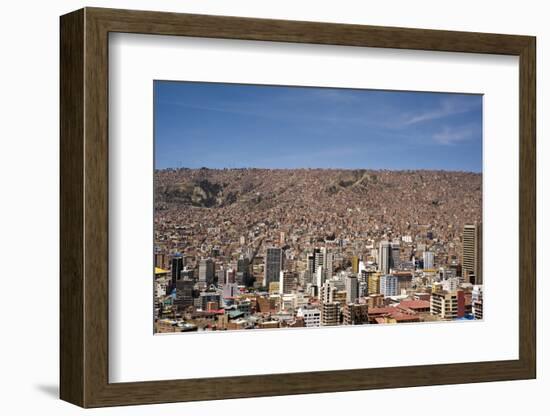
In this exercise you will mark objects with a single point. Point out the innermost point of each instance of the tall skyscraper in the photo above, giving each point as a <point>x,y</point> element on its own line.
<point>319,258</point>
<point>352,288</point>
<point>355,264</point>
<point>328,259</point>
<point>374,283</point>
<point>220,277</point>
<point>327,292</point>
<point>428,258</point>
<point>395,259</point>
<point>230,276</point>
<point>206,271</point>
<point>472,270</point>
<point>311,263</point>
<point>389,285</point>
<point>384,257</point>
<point>273,265</point>
<point>243,271</point>
<point>320,276</point>
<point>184,293</point>
<point>177,267</point>
<point>362,267</point>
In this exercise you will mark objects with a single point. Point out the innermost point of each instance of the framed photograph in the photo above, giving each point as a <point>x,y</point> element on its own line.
<point>254,207</point>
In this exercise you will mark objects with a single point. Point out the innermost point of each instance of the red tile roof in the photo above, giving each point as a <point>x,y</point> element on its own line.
<point>414,304</point>
<point>381,311</point>
<point>400,317</point>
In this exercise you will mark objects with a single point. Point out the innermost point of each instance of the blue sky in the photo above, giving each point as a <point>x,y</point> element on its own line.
<point>218,125</point>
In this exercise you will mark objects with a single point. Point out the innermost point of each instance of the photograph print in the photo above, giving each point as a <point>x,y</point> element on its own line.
<point>311,207</point>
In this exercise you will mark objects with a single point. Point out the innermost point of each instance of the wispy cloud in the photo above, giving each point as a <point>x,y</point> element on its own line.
<point>448,107</point>
<point>451,136</point>
<point>333,95</point>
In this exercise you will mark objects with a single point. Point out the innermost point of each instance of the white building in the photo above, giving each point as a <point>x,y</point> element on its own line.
<point>362,266</point>
<point>312,317</point>
<point>451,284</point>
<point>320,276</point>
<point>477,302</point>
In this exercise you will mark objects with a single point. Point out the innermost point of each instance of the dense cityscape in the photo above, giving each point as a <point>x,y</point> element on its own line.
<point>240,249</point>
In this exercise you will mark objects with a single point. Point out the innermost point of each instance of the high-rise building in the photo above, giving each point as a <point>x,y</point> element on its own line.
<point>184,293</point>
<point>328,259</point>
<point>395,259</point>
<point>327,292</point>
<point>447,305</point>
<point>287,282</point>
<point>320,276</point>
<point>472,267</point>
<point>428,258</point>
<point>311,263</point>
<point>477,302</point>
<point>362,267</point>
<point>356,314</point>
<point>273,265</point>
<point>243,271</point>
<point>177,267</point>
<point>355,264</point>
<point>243,264</point>
<point>206,271</point>
<point>384,257</point>
<point>389,285</point>
<point>374,283</point>
<point>352,289</point>
<point>319,258</point>
<point>330,314</point>
<point>230,276</point>
<point>220,277</point>
<point>363,289</point>
<point>363,276</point>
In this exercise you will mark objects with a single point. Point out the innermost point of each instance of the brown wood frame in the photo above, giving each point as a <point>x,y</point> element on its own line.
<point>84,209</point>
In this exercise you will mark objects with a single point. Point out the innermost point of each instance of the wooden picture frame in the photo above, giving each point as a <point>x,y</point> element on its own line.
<point>84,207</point>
